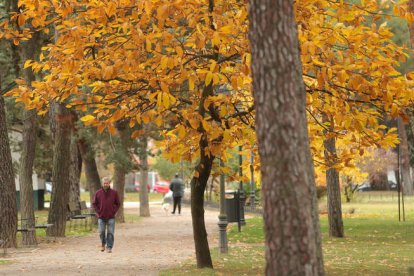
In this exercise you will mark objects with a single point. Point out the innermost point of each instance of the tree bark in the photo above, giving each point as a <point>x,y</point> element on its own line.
<point>144,210</point>
<point>75,170</point>
<point>198,186</point>
<point>119,185</point>
<point>30,50</point>
<point>8,208</point>
<point>405,160</point>
<point>93,179</point>
<point>336,225</point>
<point>25,175</point>
<point>120,168</point>
<point>60,174</point>
<point>291,224</point>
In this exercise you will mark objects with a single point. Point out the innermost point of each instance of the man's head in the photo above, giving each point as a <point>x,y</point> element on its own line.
<point>106,182</point>
<point>176,175</point>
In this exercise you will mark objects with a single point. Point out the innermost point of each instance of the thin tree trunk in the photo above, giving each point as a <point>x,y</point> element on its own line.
<point>405,159</point>
<point>75,170</point>
<point>60,174</point>
<point>119,183</point>
<point>120,168</point>
<point>8,208</point>
<point>336,226</point>
<point>144,210</point>
<point>93,179</point>
<point>25,175</point>
<point>291,224</point>
<point>198,186</point>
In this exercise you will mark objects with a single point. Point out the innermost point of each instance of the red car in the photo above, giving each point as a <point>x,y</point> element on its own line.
<point>137,187</point>
<point>161,187</point>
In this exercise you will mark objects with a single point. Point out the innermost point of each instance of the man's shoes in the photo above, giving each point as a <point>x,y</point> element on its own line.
<point>173,213</point>
<point>103,248</point>
<point>109,250</point>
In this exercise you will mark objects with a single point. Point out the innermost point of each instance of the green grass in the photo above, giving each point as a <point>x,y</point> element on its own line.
<point>376,243</point>
<point>3,262</point>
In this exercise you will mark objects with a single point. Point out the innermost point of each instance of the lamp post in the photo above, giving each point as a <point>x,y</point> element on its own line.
<point>223,244</point>
<point>253,190</point>
<point>241,194</point>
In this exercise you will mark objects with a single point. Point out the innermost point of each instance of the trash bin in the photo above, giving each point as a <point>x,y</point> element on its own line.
<point>234,207</point>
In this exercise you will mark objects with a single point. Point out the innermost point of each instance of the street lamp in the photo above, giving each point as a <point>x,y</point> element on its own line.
<point>252,192</point>
<point>223,244</point>
<point>241,194</point>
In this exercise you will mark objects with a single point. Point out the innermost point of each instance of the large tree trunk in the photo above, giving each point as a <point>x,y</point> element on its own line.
<point>8,208</point>
<point>25,175</point>
<point>336,226</point>
<point>405,159</point>
<point>291,226</point>
<point>60,174</point>
<point>144,210</point>
<point>91,170</point>
<point>75,170</point>
<point>30,50</point>
<point>198,186</point>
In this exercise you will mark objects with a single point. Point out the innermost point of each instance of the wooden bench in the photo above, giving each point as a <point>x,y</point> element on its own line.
<point>75,213</point>
<point>89,212</point>
<point>25,225</point>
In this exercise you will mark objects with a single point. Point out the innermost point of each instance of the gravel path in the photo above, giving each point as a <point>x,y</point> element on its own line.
<point>141,248</point>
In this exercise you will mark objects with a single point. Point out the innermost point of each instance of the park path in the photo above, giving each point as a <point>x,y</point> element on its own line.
<point>141,248</point>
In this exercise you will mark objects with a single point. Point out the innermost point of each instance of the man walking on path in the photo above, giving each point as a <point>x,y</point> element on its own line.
<point>106,204</point>
<point>177,187</point>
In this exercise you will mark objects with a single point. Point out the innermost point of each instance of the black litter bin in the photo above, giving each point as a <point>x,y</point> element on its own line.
<point>234,207</point>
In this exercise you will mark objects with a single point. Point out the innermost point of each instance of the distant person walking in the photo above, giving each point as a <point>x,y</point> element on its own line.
<point>177,187</point>
<point>106,204</point>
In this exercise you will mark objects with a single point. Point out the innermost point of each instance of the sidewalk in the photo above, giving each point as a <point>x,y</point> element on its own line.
<point>141,248</point>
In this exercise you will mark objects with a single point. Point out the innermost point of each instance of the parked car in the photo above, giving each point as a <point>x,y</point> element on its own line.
<point>392,185</point>
<point>135,188</point>
<point>364,187</point>
<point>161,187</point>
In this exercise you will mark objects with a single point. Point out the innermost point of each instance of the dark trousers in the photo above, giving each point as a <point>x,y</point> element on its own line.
<point>177,202</point>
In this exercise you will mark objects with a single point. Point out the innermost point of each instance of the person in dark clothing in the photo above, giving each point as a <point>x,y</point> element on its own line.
<point>106,204</point>
<point>177,187</point>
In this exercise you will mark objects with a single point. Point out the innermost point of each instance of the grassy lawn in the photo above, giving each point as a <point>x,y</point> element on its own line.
<point>376,243</point>
<point>153,197</point>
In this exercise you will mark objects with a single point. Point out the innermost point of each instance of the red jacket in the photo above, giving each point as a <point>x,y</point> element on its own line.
<point>106,203</point>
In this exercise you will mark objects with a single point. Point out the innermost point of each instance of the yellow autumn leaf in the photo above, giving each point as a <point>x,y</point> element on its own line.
<point>208,79</point>
<point>87,118</point>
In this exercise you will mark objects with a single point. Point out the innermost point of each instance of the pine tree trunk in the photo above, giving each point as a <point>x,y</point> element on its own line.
<point>144,210</point>
<point>75,170</point>
<point>336,226</point>
<point>60,174</point>
<point>198,187</point>
<point>8,208</point>
<point>291,223</point>
<point>405,160</point>
<point>25,175</point>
